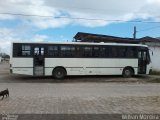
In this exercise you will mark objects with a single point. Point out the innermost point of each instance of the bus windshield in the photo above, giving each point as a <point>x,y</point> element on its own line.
<point>148,57</point>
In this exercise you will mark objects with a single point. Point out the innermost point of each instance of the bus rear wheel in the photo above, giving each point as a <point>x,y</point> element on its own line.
<point>127,72</point>
<point>59,73</point>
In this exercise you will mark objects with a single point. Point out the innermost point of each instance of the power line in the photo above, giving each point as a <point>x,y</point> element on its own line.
<point>82,8</point>
<point>19,14</point>
<point>80,18</point>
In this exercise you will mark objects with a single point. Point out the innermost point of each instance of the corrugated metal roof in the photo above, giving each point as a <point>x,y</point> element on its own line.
<point>90,37</point>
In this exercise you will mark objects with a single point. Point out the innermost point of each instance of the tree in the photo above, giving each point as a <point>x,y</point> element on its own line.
<point>4,55</point>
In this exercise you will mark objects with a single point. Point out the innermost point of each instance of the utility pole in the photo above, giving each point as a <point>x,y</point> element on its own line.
<point>134,34</point>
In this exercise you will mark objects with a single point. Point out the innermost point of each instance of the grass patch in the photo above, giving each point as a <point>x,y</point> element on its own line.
<point>154,72</point>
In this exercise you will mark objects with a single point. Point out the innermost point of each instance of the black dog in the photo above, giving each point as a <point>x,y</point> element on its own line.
<point>4,93</point>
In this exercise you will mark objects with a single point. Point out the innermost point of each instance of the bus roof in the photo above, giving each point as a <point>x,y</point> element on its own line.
<point>84,43</point>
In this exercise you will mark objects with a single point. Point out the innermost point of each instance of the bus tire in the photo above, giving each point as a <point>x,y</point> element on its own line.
<point>59,73</point>
<point>128,72</point>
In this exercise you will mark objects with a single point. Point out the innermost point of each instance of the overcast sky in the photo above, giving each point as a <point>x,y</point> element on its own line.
<point>99,16</point>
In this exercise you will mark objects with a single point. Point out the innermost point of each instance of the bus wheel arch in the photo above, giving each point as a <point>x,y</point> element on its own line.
<point>128,72</point>
<point>59,72</point>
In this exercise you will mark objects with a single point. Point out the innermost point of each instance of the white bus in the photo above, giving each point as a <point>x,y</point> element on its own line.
<point>77,58</point>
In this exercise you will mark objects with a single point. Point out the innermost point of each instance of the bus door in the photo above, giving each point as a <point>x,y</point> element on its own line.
<point>142,61</point>
<point>38,61</point>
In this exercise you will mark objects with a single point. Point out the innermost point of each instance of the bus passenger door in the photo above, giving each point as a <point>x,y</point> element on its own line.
<point>142,62</point>
<point>38,61</point>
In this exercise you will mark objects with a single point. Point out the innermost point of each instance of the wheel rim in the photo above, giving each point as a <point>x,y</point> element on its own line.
<point>59,74</point>
<point>127,72</point>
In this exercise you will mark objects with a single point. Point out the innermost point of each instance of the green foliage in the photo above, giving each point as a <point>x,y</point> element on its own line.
<point>154,72</point>
<point>4,55</point>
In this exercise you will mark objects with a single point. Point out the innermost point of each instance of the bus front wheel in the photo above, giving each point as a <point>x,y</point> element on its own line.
<point>127,72</point>
<point>59,73</point>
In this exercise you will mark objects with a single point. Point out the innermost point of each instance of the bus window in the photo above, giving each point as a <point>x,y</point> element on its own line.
<point>36,51</point>
<point>96,52</point>
<point>87,51</point>
<point>148,57</point>
<point>122,52</point>
<point>78,51</point>
<point>113,52</point>
<point>67,51</point>
<point>53,51</point>
<point>26,50</point>
<point>131,52</point>
<point>144,57</point>
<point>104,52</point>
<point>42,51</point>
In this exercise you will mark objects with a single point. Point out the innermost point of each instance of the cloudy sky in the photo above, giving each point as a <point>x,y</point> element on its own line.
<point>60,20</point>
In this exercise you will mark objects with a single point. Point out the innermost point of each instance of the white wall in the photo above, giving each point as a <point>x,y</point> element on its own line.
<point>155,58</point>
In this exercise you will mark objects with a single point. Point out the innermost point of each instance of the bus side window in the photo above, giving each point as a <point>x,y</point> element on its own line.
<point>131,52</point>
<point>122,52</point>
<point>67,51</point>
<point>36,51</point>
<point>104,53</point>
<point>96,52</point>
<point>53,51</point>
<point>17,50</point>
<point>113,52</point>
<point>135,51</point>
<point>71,51</point>
<point>26,50</point>
<point>62,51</point>
<point>144,56</point>
<point>87,51</point>
<point>78,51</point>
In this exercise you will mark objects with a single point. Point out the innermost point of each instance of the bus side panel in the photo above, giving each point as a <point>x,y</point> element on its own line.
<point>130,62</point>
<point>90,66</point>
<point>48,71</point>
<point>22,66</point>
